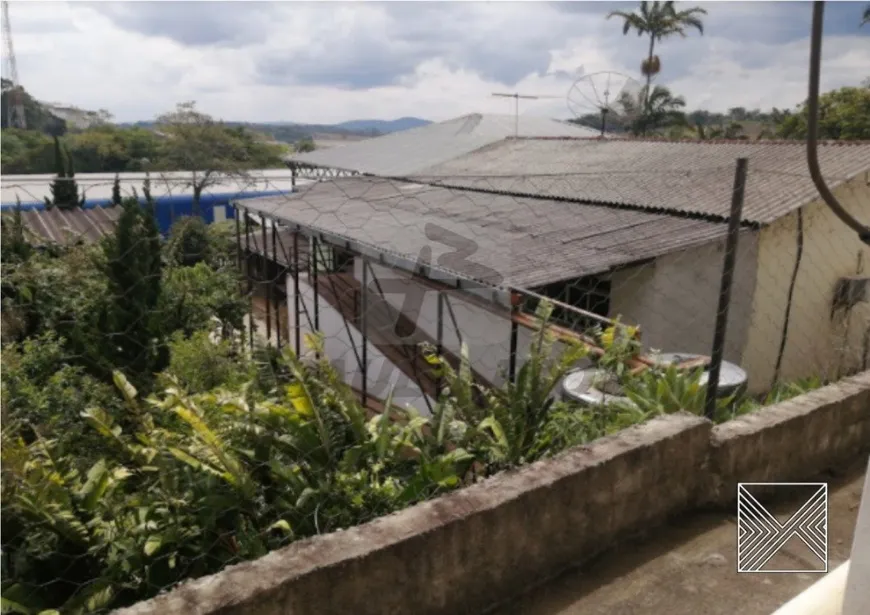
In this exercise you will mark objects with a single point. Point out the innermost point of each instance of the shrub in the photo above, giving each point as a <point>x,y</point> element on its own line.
<point>192,297</point>
<point>45,394</point>
<point>200,363</point>
<point>200,481</point>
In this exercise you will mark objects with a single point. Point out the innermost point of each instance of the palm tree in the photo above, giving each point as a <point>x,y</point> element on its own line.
<point>653,110</point>
<point>659,20</point>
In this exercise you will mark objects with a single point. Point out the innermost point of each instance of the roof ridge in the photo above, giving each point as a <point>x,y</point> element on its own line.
<point>828,142</point>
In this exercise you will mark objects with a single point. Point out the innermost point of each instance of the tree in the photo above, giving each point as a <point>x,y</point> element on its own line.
<point>657,110</point>
<point>305,145</point>
<point>658,20</point>
<point>64,190</point>
<point>843,114</point>
<point>116,192</point>
<point>866,18</point>
<point>133,268</point>
<point>195,142</point>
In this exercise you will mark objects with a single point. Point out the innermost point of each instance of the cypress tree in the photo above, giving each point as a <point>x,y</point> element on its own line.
<point>134,269</point>
<point>64,191</point>
<point>116,192</point>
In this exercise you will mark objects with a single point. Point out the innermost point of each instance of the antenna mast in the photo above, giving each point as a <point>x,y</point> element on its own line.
<point>516,96</point>
<point>15,104</point>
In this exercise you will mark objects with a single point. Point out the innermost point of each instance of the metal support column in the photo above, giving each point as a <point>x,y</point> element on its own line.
<point>312,260</point>
<point>515,329</point>
<point>725,287</point>
<point>264,269</point>
<point>283,279</point>
<point>439,340</point>
<point>297,326</point>
<point>250,282</point>
<point>238,238</point>
<point>364,302</point>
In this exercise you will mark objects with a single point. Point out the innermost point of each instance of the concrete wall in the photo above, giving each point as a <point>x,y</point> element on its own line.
<point>486,334</point>
<point>473,548</point>
<point>382,373</point>
<point>817,344</point>
<point>792,440</point>
<point>675,298</point>
<point>484,544</point>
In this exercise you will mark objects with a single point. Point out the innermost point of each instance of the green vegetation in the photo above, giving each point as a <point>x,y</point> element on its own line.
<point>658,20</point>
<point>184,139</point>
<point>655,111</point>
<point>144,445</point>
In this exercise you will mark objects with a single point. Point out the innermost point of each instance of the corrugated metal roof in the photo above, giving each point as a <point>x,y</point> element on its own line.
<point>68,227</point>
<point>692,177</point>
<point>34,188</point>
<point>512,241</point>
<point>411,151</point>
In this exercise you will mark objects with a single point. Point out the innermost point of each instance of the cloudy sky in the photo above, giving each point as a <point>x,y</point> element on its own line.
<point>333,61</point>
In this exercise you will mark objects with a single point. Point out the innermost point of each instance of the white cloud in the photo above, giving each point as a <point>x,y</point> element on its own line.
<point>311,62</point>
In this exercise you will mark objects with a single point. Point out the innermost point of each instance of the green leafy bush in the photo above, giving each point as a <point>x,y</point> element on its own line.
<point>201,363</point>
<point>201,481</point>
<point>45,394</point>
<point>199,297</point>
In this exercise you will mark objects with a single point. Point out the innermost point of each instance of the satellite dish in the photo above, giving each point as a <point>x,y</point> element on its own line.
<point>599,98</point>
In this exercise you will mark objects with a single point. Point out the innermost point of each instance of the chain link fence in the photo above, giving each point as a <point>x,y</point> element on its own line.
<point>175,402</point>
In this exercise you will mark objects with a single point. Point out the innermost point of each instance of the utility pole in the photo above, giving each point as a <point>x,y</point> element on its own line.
<point>15,102</point>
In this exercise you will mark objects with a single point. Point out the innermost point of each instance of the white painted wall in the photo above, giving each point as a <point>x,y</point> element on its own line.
<point>817,344</point>
<point>382,374</point>
<point>487,335</point>
<point>675,298</point>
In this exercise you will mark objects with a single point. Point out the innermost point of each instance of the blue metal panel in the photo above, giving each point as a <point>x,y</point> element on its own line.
<point>170,208</point>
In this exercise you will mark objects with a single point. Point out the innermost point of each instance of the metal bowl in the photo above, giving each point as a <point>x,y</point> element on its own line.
<point>732,378</point>
<point>591,386</point>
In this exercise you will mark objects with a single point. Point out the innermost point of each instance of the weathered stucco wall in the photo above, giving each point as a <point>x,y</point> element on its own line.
<point>793,439</point>
<point>482,545</point>
<point>817,343</point>
<point>676,297</point>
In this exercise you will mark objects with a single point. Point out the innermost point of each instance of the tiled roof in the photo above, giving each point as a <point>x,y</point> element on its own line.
<point>411,151</point>
<point>67,227</point>
<point>510,241</point>
<point>677,176</point>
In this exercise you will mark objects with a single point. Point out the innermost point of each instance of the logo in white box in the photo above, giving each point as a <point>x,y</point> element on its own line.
<point>761,536</point>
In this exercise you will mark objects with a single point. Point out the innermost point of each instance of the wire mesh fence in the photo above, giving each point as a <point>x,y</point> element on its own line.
<point>175,402</point>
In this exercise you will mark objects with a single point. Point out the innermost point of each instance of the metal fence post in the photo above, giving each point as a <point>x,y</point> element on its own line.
<point>725,287</point>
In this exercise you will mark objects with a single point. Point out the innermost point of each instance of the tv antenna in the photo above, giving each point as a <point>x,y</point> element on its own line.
<point>517,96</point>
<point>598,97</point>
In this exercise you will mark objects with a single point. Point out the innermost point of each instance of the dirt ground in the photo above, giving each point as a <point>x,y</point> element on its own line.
<point>689,568</point>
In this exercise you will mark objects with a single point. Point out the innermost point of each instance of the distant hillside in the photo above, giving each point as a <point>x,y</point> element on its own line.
<point>289,132</point>
<point>383,126</point>
<point>36,114</point>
